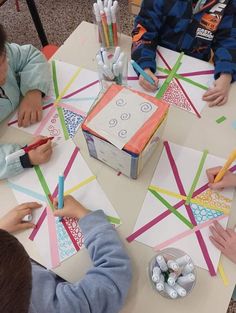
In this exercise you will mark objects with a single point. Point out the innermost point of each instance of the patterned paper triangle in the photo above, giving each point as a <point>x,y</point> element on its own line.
<point>175,96</point>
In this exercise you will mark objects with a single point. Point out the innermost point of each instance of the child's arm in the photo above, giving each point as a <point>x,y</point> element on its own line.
<point>104,287</point>
<point>14,167</point>
<point>145,37</point>
<point>32,70</point>
<point>224,48</point>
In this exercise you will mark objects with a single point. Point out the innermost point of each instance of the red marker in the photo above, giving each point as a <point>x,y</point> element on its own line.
<point>26,149</point>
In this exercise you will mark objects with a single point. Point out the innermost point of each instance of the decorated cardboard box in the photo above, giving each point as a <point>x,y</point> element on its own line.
<point>124,128</point>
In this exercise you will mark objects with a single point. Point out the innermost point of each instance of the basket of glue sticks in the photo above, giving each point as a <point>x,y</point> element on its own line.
<point>172,273</point>
<point>112,67</point>
<point>106,15</point>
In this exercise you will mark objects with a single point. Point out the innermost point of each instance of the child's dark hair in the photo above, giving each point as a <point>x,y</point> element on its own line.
<point>3,39</point>
<point>15,275</point>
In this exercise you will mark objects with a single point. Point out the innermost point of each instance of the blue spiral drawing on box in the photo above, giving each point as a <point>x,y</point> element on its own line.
<point>202,214</point>
<point>65,245</point>
<point>72,121</point>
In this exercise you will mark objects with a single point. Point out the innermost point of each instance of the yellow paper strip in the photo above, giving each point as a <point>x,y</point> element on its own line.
<point>85,182</point>
<point>222,274</point>
<point>192,200</point>
<point>58,99</point>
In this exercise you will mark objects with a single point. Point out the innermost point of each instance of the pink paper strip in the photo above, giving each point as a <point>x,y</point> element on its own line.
<point>81,89</point>
<point>189,211</point>
<point>38,225</point>
<point>186,233</point>
<point>69,107</point>
<point>44,121</point>
<point>55,260</point>
<point>179,84</point>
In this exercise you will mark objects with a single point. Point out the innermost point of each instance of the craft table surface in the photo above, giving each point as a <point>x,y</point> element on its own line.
<point>126,195</point>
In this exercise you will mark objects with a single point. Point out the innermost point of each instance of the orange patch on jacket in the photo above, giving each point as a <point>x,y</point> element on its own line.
<point>138,33</point>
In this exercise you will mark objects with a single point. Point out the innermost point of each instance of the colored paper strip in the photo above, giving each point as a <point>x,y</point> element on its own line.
<point>63,124</point>
<point>77,248</point>
<point>55,260</point>
<point>54,78</point>
<point>171,208</point>
<point>67,86</point>
<point>81,89</point>
<point>44,121</point>
<point>179,76</point>
<point>222,274</point>
<point>192,200</point>
<point>171,75</point>
<point>185,234</point>
<point>197,176</point>
<point>44,185</point>
<point>27,191</point>
<point>38,225</point>
<point>83,183</point>
<point>221,119</point>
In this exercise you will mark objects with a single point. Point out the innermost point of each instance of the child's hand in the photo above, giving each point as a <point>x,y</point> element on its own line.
<point>224,240</point>
<point>30,110</point>
<point>145,84</point>
<point>228,180</point>
<point>72,208</point>
<point>218,95</point>
<point>12,221</point>
<point>42,154</point>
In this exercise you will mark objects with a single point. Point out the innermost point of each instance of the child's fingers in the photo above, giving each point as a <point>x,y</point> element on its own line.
<point>221,231</point>
<point>216,101</point>
<point>39,115</point>
<point>224,100</point>
<point>217,237</point>
<point>217,186</point>
<point>20,118</point>
<point>26,119</point>
<point>216,244</point>
<point>29,205</point>
<point>25,225</point>
<point>212,172</point>
<point>60,213</point>
<point>146,85</point>
<point>47,146</point>
<point>33,117</point>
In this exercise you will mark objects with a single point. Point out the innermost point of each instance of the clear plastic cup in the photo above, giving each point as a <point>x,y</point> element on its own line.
<point>111,72</point>
<point>172,254</point>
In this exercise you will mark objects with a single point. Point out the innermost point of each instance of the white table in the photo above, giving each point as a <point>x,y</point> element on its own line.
<point>126,195</point>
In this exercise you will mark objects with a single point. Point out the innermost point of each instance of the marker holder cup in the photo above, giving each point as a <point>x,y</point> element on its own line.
<point>171,254</point>
<point>114,75</point>
<point>106,16</point>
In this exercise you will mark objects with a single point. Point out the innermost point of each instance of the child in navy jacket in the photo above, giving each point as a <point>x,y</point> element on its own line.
<point>195,27</point>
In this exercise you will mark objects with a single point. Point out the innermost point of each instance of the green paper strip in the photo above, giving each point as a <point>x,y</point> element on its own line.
<point>188,80</point>
<point>171,75</point>
<point>172,209</point>
<point>63,124</point>
<point>54,77</point>
<point>113,220</point>
<point>43,184</point>
<point>221,119</point>
<point>59,109</point>
<point>197,176</point>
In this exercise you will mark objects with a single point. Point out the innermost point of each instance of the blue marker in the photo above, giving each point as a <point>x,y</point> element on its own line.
<point>141,72</point>
<point>60,193</point>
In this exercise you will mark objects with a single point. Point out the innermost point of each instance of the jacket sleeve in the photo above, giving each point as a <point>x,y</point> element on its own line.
<point>104,287</point>
<point>12,168</point>
<point>145,33</point>
<point>224,45</point>
<point>30,66</point>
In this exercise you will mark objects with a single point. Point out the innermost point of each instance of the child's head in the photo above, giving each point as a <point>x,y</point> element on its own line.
<point>3,57</point>
<point>15,275</point>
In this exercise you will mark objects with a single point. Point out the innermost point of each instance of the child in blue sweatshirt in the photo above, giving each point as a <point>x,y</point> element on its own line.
<point>195,27</point>
<point>24,79</point>
<point>29,288</point>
